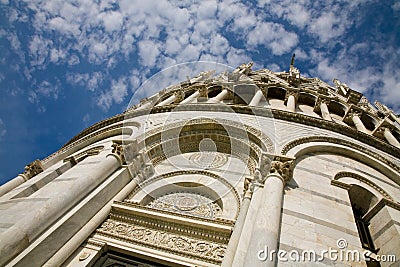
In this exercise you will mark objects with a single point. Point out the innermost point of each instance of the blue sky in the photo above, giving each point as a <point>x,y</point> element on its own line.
<point>66,64</point>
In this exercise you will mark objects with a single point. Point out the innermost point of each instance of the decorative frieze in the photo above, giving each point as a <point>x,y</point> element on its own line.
<point>169,242</point>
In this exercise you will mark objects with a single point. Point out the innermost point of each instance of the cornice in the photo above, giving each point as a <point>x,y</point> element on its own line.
<point>241,109</point>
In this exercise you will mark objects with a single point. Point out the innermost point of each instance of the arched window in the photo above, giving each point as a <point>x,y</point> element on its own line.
<point>362,201</point>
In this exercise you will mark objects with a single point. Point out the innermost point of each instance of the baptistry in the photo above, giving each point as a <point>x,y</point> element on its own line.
<point>236,168</point>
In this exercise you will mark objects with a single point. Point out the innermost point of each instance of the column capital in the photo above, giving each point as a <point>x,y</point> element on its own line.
<point>32,169</point>
<point>274,165</point>
<point>124,151</point>
<point>321,99</point>
<point>179,95</point>
<point>203,90</point>
<point>248,187</point>
<point>291,91</point>
<point>283,166</point>
<point>352,111</point>
<point>380,129</point>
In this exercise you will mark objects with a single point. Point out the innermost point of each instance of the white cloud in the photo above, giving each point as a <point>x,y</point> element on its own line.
<point>148,52</point>
<point>112,21</point>
<point>95,80</point>
<point>57,55</point>
<point>48,89</point>
<point>73,60</point>
<point>77,78</point>
<point>273,36</point>
<point>86,120</point>
<point>117,93</point>
<point>89,81</point>
<point>3,129</point>
<point>62,26</point>
<point>39,50</point>
<point>396,6</point>
<point>158,34</point>
<point>328,26</point>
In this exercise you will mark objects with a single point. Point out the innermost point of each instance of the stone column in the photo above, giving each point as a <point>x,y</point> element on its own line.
<point>191,98</point>
<point>64,252</point>
<point>144,106</point>
<point>256,98</point>
<point>19,236</point>
<point>31,170</point>
<point>167,101</point>
<point>390,138</point>
<point>290,99</point>
<point>291,103</point>
<point>358,123</point>
<point>240,221</point>
<point>325,111</point>
<point>218,98</point>
<point>394,117</point>
<point>265,233</point>
<point>353,116</point>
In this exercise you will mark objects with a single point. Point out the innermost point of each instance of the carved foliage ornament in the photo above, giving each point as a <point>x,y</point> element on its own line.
<point>273,164</point>
<point>126,152</point>
<point>188,203</point>
<point>33,169</point>
<point>283,167</point>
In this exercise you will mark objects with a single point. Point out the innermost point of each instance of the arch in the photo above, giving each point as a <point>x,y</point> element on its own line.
<point>276,92</point>
<point>214,90</point>
<point>211,185</point>
<point>343,147</point>
<point>84,154</point>
<point>186,135</point>
<point>97,136</point>
<point>369,122</point>
<point>306,98</point>
<point>356,179</point>
<point>337,108</point>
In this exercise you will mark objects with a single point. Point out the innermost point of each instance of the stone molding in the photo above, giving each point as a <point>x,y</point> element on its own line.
<point>256,135</point>
<point>292,117</point>
<point>378,206</point>
<point>363,180</point>
<point>220,221</point>
<point>277,114</point>
<point>353,110</point>
<point>172,243</point>
<point>157,145</point>
<point>321,99</point>
<point>291,91</point>
<point>188,236</point>
<point>69,146</point>
<point>334,140</point>
<point>82,155</point>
